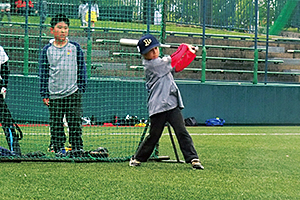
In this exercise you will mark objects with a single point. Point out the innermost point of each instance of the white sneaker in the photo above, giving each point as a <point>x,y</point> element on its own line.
<point>196,164</point>
<point>134,162</point>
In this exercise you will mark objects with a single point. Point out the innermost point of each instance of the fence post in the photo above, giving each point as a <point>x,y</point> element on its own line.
<point>26,42</point>
<point>267,42</point>
<point>163,26</point>
<point>89,45</point>
<point>255,46</point>
<point>203,64</point>
<point>203,45</point>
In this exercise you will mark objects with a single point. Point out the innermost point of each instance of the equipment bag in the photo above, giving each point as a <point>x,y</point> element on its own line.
<point>190,121</point>
<point>5,152</point>
<point>215,122</point>
<point>12,131</point>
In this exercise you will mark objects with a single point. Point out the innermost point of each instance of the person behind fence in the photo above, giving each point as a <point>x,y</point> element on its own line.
<point>63,79</point>
<point>81,12</point>
<point>94,13</point>
<point>5,116</point>
<point>20,7</point>
<point>31,10</point>
<point>43,11</point>
<point>164,99</point>
<point>5,9</point>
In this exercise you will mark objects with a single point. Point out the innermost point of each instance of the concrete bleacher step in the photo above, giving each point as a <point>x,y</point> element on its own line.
<point>293,61</point>
<point>109,66</point>
<point>272,49</point>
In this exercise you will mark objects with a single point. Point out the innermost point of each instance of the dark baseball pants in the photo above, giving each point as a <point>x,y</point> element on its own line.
<point>71,106</point>
<point>157,125</point>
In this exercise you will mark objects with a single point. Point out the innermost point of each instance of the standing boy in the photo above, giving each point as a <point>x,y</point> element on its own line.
<point>164,100</point>
<point>63,81</point>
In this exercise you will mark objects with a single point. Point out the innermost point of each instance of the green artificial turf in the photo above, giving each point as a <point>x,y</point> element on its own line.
<point>240,163</point>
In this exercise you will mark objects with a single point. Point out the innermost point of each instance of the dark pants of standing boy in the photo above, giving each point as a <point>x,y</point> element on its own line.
<point>7,126</point>
<point>71,106</point>
<point>157,125</point>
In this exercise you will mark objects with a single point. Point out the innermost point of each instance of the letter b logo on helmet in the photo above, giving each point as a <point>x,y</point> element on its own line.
<point>147,42</point>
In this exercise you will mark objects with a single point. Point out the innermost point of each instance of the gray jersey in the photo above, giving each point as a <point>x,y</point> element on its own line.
<point>163,92</point>
<point>63,70</point>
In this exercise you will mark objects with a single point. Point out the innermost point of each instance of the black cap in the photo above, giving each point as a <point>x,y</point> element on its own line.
<point>146,43</point>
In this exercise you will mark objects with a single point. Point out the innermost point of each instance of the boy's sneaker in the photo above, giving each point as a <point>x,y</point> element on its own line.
<point>196,164</point>
<point>77,153</point>
<point>100,152</point>
<point>134,162</point>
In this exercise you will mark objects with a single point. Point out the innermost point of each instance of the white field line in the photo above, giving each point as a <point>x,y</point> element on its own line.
<point>245,134</point>
<point>83,134</point>
<point>233,134</point>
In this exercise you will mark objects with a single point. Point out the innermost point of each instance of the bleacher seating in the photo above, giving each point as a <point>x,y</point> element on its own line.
<point>232,54</point>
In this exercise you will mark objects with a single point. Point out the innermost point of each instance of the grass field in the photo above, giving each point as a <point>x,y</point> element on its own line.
<point>252,162</point>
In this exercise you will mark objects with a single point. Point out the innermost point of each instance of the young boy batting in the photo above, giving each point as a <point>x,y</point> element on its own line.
<point>62,82</point>
<point>164,100</point>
